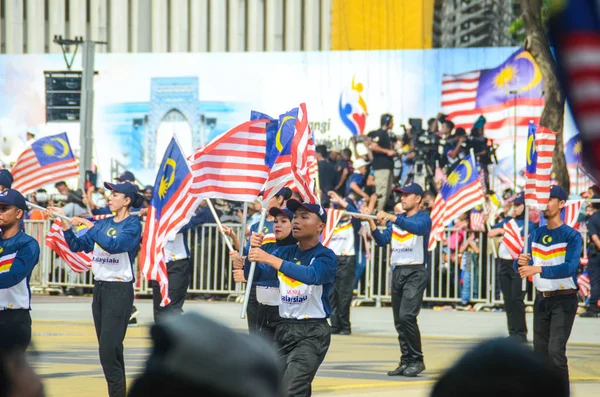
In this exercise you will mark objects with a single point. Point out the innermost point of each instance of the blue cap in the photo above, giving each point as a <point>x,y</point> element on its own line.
<point>126,176</point>
<point>520,199</point>
<point>558,193</point>
<point>127,188</point>
<point>411,188</point>
<point>281,211</point>
<point>294,204</point>
<point>13,197</point>
<point>6,178</point>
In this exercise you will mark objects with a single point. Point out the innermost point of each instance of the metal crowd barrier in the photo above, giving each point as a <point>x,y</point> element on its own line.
<point>212,270</point>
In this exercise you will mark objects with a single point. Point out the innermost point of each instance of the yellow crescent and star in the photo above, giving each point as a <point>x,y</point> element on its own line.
<point>167,181</point>
<point>469,169</point>
<point>546,240</point>
<point>278,143</point>
<point>508,74</point>
<point>51,150</point>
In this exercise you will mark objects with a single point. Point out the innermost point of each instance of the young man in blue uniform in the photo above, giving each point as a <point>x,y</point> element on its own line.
<point>306,272</point>
<point>409,234</point>
<point>552,258</point>
<point>19,253</point>
<point>510,281</point>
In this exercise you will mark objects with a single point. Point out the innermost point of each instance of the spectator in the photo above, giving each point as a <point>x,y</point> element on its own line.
<point>147,195</point>
<point>328,178</point>
<point>40,197</point>
<point>195,356</point>
<point>427,203</point>
<point>383,160</point>
<point>454,149</point>
<point>469,250</point>
<point>407,145</point>
<point>75,205</point>
<point>593,267</point>
<point>99,197</point>
<point>343,167</point>
<point>500,368</point>
<point>6,180</point>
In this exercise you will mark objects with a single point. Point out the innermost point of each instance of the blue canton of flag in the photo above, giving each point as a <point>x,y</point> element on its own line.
<point>52,149</point>
<point>463,176</point>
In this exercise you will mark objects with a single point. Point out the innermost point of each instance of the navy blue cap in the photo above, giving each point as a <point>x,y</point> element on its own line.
<point>520,199</point>
<point>6,178</point>
<point>281,211</point>
<point>558,193</point>
<point>294,204</point>
<point>13,197</point>
<point>411,188</point>
<point>126,176</point>
<point>127,188</point>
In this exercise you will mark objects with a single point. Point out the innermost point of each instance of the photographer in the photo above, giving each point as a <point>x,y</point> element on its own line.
<point>382,153</point>
<point>455,147</point>
<point>407,154</point>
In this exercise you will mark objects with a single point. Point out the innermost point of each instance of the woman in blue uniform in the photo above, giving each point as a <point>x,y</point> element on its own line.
<point>113,242</point>
<point>305,272</point>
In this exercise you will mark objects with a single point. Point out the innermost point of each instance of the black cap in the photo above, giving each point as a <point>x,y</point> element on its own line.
<point>204,354</point>
<point>6,178</point>
<point>520,199</point>
<point>411,188</point>
<point>281,211</point>
<point>126,176</point>
<point>127,188</point>
<point>558,193</point>
<point>13,197</point>
<point>294,204</point>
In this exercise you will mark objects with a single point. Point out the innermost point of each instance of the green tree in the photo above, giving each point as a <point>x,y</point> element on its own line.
<point>530,28</point>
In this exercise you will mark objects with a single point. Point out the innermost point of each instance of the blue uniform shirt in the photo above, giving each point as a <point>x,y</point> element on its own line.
<point>409,236</point>
<point>18,256</point>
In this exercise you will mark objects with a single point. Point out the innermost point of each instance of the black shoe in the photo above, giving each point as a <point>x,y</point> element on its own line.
<point>399,370</point>
<point>345,332</point>
<point>590,314</point>
<point>133,317</point>
<point>335,331</point>
<point>414,369</point>
<point>132,322</point>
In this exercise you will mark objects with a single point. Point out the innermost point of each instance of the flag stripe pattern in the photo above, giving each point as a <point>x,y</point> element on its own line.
<point>232,166</point>
<point>572,209</point>
<point>437,222</point>
<point>512,238</point>
<point>79,262</point>
<point>30,173</point>
<point>333,217</point>
<point>302,150</point>
<point>477,222</point>
<point>545,140</point>
<point>584,283</point>
<point>176,210</point>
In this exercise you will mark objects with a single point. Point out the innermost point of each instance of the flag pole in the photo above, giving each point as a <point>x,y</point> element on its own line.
<point>488,226</point>
<point>55,214</point>
<point>218,222</point>
<point>525,238</point>
<point>261,224</point>
<point>243,238</point>
<point>359,215</point>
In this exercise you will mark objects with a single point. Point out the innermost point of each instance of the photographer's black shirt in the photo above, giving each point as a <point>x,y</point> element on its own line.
<point>381,161</point>
<point>593,225</point>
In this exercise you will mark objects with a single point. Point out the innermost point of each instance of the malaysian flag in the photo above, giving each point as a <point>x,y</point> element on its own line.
<point>333,218</point>
<point>540,145</point>
<point>171,207</point>
<point>303,157</point>
<point>79,262</point>
<point>232,166</point>
<point>575,31</point>
<point>584,283</point>
<point>461,192</point>
<point>47,160</point>
<point>513,87</point>
<point>513,241</point>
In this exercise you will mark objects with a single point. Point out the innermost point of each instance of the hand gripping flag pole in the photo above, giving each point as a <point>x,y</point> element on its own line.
<point>55,214</point>
<point>261,224</point>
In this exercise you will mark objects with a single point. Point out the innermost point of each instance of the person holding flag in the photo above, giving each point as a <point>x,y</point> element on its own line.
<point>409,234</point>
<point>114,243</point>
<point>19,253</point>
<point>552,258</point>
<point>510,281</point>
<point>306,272</point>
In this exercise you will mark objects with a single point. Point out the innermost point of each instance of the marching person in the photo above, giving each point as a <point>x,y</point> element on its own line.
<point>593,267</point>
<point>409,234</point>
<point>343,244</point>
<point>114,243</point>
<point>552,258</point>
<point>510,281</point>
<point>19,253</point>
<point>306,272</point>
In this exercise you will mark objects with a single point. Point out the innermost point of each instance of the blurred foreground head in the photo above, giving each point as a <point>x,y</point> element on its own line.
<point>195,356</point>
<point>17,377</point>
<point>501,368</point>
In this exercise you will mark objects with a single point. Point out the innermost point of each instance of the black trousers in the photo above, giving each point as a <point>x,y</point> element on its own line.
<point>593,269</point>
<point>111,307</point>
<point>341,298</point>
<point>179,274</point>
<point>268,319</point>
<point>302,344</point>
<point>511,286</point>
<point>408,285</point>
<point>16,323</point>
<point>552,323</point>
<point>252,312</point>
